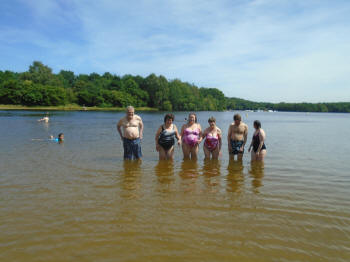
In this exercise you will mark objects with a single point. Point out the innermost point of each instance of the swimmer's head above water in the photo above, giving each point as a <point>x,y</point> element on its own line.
<point>60,137</point>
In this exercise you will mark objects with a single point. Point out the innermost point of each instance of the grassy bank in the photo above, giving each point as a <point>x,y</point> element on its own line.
<point>72,107</point>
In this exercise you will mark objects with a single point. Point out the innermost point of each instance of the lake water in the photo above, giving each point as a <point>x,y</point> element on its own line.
<point>79,201</point>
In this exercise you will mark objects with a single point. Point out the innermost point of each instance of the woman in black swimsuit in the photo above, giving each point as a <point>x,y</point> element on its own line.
<point>259,148</point>
<point>165,138</point>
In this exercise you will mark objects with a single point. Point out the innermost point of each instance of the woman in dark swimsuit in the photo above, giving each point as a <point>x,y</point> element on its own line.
<point>165,138</point>
<point>258,145</point>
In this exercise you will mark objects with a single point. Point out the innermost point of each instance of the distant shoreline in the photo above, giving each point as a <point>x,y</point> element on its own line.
<point>71,108</point>
<point>121,109</point>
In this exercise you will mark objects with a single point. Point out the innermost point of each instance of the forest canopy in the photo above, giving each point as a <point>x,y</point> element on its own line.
<point>39,86</point>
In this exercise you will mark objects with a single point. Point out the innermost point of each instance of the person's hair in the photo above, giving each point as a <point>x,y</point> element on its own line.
<point>237,117</point>
<point>211,119</point>
<point>130,107</point>
<point>60,135</point>
<point>257,124</point>
<point>169,116</point>
<point>195,116</point>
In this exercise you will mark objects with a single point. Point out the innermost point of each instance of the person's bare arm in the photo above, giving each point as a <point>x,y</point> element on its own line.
<point>157,137</point>
<point>204,133</point>
<point>200,134</point>
<point>119,128</point>
<point>219,137</point>
<point>262,139</point>
<point>250,146</point>
<point>178,136</point>
<point>229,138</point>
<point>141,128</point>
<point>245,137</point>
<point>182,130</point>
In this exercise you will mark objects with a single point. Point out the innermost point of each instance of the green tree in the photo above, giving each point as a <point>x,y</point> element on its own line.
<point>158,90</point>
<point>11,92</point>
<point>39,73</point>
<point>67,78</point>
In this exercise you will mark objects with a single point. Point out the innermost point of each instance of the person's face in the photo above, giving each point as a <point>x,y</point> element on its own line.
<point>61,137</point>
<point>237,122</point>
<point>130,113</point>
<point>168,121</point>
<point>191,119</point>
<point>212,124</point>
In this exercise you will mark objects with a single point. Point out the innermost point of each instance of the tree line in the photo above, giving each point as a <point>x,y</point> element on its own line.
<point>39,86</point>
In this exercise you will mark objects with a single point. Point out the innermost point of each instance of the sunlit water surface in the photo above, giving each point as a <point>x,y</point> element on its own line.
<point>79,201</point>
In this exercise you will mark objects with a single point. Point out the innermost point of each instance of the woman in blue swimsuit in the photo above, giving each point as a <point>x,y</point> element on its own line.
<point>165,138</point>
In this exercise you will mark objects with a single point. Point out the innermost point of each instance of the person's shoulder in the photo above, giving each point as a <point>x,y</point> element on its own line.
<point>218,130</point>
<point>121,120</point>
<point>230,127</point>
<point>137,117</point>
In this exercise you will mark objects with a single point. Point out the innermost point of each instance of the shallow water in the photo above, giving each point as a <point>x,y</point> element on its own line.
<point>79,201</point>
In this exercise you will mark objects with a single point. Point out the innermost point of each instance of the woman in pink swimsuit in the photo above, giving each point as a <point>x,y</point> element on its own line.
<point>212,142</point>
<point>191,134</point>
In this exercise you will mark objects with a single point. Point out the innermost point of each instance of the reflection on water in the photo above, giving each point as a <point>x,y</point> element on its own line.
<point>189,174</point>
<point>257,173</point>
<point>235,177</point>
<point>211,168</point>
<point>131,178</point>
<point>164,171</point>
<point>189,169</point>
<point>45,125</point>
<point>211,174</point>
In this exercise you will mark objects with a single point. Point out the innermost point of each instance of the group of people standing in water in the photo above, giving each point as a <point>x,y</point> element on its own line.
<point>130,129</point>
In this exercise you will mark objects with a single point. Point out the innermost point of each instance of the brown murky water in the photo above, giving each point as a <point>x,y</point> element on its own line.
<point>79,201</point>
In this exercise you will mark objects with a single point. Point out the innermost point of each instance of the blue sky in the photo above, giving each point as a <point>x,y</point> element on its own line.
<point>263,50</point>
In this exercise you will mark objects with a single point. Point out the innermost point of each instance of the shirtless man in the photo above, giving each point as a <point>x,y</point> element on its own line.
<point>237,137</point>
<point>132,127</point>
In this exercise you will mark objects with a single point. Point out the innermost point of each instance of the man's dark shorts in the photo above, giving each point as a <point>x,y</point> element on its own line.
<point>132,148</point>
<point>236,146</point>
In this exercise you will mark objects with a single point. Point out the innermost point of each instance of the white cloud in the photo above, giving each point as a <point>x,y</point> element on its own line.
<point>262,50</point>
